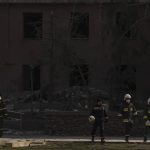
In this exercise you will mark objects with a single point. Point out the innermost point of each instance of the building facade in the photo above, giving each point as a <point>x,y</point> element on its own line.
<point>103,44</point>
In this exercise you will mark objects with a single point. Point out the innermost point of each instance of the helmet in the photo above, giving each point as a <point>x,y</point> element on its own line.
<point>127,96</point>
<point>91,119</point>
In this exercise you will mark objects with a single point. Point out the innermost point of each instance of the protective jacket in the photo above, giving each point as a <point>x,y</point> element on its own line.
<point>147,115</point>
<point>128,111</point>
<point>99,113</point>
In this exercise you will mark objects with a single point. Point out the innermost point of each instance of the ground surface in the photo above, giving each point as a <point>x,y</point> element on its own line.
<point>85,146</point>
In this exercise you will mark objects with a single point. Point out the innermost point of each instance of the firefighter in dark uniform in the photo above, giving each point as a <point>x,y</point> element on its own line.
<point>147,120</point>
<point>2,115</point>
<point>101,116</point>
<point>128,111</point>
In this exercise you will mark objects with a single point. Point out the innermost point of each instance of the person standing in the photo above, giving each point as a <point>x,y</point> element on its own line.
<point>147,120</point>
<point>101,117</point>
<point>128,111</point>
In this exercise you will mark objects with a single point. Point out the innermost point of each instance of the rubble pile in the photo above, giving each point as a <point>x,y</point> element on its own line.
<point>71,99</point>
<point>76,98</point>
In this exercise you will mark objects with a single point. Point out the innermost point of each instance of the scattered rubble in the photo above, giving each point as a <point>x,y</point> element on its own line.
<point>71,99</point>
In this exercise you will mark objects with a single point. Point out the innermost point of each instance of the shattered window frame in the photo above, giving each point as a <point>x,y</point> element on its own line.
<point>127,77</point>
<point>125,24</point>
<point>79,75</point>
<point>33,25</point>
<point>79,25</point>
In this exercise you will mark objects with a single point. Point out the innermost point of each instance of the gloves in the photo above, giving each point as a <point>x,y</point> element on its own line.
<point>131,121</point>
<point>147,123</point>
<point>145,117</point>
<point>106,119</point>
<point>135,114</point>
<point>119,115</point>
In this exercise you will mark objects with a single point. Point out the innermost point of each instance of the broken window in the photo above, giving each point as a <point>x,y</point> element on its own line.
<point>125,24</point>
<point>79,25</point>
<point>79,75</point>
<point>33,25</point>
<point>127,77</point>
<point>31,76</point>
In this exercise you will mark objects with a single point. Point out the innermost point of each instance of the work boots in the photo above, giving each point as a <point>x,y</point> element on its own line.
<point>92,139</point>
<point>102,140</point>
<point>145,139</point>
<point>127,138</point>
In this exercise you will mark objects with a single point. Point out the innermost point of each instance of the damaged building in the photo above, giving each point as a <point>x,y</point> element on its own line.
<point>60,44</point>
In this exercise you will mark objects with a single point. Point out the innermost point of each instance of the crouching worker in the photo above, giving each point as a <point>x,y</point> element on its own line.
<point>128,112</point>
<point>147,120</point>
<point>98,116</point>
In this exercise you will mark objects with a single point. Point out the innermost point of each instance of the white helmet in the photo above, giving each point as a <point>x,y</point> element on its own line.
<point>91,119</point>
<point>148,100</point>
<point>127,96</point>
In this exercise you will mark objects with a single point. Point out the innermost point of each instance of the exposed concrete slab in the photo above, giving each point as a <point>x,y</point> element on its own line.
<point>21,144</point>
<point>37,144</point>
<point>3,142</point>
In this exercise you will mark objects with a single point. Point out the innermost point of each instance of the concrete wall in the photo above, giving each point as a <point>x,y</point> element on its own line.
<point>103,50</point>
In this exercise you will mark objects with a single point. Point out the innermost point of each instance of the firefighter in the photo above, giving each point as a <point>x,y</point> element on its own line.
<point>2,115</point>
<point>147,119</point>
<point>128,111</point>
<point>101,116</point>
